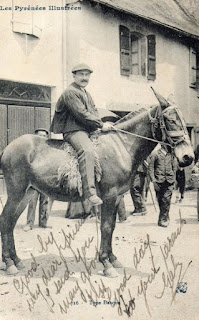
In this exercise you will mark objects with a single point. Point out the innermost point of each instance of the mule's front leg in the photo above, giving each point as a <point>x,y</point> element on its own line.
<point>112,258</point>
<point>108,218</point>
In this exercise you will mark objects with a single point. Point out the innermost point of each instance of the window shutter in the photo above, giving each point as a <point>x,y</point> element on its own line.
<point>27,21</point>
<point>151,57</point>
<point>125,66</point>
<point>143,56</point>
<point>135,56</point>
<point>192,71</point>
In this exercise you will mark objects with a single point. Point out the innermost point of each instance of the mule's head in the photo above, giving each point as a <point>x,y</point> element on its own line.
<point>177,135</point>
<point>174,131</point>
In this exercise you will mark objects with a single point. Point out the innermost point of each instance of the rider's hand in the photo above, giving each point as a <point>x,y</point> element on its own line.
<point>107,126</point>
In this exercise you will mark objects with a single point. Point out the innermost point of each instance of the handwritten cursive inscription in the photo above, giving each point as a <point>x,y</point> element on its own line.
<point>175,270</point>
<point>24,284</point>
<point>143,286</point>
<point>60,292</point>
<point>171,271</point>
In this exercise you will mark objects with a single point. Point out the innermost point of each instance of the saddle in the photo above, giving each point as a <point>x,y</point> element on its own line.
<point>69,177</point>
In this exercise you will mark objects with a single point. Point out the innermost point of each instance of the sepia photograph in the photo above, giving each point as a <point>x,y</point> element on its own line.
<point>99,159</point>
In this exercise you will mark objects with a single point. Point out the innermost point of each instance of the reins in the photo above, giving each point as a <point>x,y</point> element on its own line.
<point>139,136</point>
<point>165,133</point>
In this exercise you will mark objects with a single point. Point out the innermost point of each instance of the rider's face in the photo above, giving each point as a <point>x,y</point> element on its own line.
<point>81,78</point>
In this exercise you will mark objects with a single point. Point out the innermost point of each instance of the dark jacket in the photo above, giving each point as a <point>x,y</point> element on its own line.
<point>162,167</point>
<point>74,111</point>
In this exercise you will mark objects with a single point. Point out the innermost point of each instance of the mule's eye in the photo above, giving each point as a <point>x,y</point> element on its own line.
<point>172,121</point>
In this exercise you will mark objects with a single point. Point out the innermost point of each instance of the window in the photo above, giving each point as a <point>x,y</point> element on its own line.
<point>137,54</point>
<point>138,66</point>
<point>194,68</point>
<point>27,21</point>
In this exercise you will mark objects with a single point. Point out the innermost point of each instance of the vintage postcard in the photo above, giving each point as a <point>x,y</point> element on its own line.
<point>99,118</point>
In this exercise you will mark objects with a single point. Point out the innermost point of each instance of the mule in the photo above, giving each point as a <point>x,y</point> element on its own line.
<point>34,161</point>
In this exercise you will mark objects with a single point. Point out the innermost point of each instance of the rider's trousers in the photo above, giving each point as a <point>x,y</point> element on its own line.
<point>84,148</point>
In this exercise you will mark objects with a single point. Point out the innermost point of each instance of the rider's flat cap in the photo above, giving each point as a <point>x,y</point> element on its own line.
<point>80,67</point>
<point>42,129</point>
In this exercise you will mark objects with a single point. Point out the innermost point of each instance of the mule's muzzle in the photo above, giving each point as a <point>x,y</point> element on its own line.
<point>186,161</point>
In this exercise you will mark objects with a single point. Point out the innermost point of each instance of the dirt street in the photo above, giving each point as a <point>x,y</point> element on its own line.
<point>63,280</point>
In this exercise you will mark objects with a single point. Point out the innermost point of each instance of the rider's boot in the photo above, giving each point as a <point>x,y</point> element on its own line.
<point>95,200</point>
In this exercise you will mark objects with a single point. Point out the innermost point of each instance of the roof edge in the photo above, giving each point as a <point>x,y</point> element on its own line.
<point>193,36</point>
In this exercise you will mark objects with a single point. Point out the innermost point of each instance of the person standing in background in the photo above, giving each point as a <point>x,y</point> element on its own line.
<point>180,184</point>
<point>162,170</point>
<point>137,190</point>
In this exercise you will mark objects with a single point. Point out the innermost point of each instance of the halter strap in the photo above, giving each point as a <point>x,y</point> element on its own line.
<point>167,134</point>
<point>178,133</point>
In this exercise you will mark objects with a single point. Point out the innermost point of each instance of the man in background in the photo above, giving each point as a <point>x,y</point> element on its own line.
<point>180,184</point>
<point>137,190</point>
<point>162,171</point>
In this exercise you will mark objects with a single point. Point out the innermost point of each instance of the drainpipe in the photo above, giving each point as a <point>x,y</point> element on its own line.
<point>64,46</point>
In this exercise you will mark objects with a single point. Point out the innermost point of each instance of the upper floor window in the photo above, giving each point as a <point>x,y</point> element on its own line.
<point>197,71</point>
<point>137,54</point>
<point>27,21</point>
<point>194,69</point>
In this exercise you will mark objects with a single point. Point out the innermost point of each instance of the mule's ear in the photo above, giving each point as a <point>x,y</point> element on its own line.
<point>163,102</point>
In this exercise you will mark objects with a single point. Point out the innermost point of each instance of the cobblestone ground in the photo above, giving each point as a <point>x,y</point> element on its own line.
<point>62,279</point>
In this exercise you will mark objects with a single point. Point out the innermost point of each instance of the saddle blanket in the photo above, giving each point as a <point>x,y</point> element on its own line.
<point>69,176</point>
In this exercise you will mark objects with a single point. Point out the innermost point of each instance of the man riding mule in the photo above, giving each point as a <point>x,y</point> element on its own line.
<point>75,117</point>
<point>32,161</point>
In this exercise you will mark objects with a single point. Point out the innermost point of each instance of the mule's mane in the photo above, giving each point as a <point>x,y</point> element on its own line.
<point>130,115</point>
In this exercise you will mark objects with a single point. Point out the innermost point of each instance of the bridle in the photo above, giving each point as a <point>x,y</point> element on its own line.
<point>159,121</point>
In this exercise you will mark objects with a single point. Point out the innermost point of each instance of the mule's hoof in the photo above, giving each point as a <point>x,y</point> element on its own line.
<point>12,270</point>
<point>110,273</point>
<point>2,266</point>
<point>20,265</point>
<point>116,264</point>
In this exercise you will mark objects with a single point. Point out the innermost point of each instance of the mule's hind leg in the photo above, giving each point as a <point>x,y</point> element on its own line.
<point>21,207</point>
<point>11,212</point>
<point>6,228</point>
<point>9,257</point>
